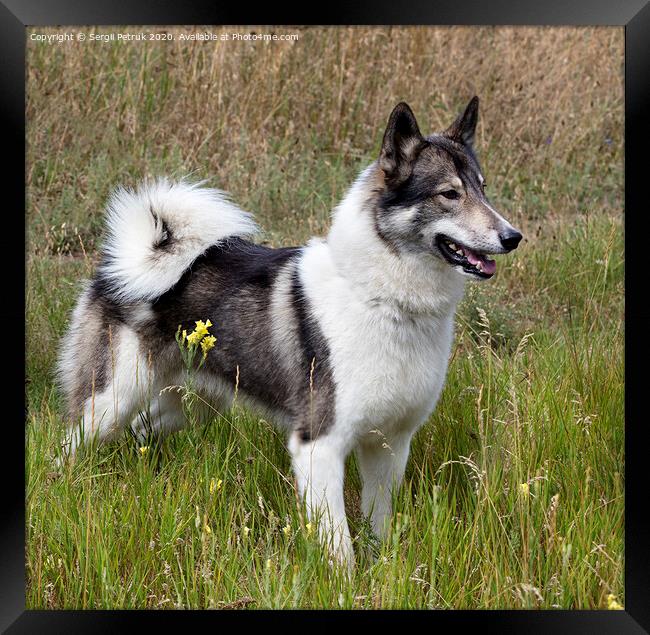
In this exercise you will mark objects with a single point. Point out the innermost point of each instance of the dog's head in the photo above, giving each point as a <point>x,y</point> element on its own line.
<point>433,195</point>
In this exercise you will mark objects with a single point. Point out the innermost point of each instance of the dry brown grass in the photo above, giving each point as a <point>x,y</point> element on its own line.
<point>285,125</point>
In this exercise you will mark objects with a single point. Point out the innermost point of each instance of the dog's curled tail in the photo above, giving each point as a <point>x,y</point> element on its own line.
<point>155,232</point>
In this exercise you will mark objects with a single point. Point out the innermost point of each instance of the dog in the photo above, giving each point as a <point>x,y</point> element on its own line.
<point>343,342</point>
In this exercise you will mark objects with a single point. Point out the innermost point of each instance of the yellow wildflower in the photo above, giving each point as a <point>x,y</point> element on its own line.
<point>194,338</point>
<point>268,564</point>
<point>202,327</point>
<point>198,334</point>
<point>143,449</point>
<point>206,528</point>
<point>310,528</point>
<point>208,343</point>
<point>246,531</point>
<point>612,604</point>
<point>524,488</point>
<point>215,486</point>
<point>286,530</point>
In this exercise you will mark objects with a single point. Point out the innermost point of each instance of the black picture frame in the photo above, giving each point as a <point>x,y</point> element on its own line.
<point>634,15</point>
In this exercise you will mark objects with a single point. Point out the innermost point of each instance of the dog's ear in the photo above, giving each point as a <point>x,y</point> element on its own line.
<point>464,128</point>
<point>402,141</point>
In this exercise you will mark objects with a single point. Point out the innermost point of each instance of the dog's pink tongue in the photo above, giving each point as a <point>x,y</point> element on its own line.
<point>487,265</point>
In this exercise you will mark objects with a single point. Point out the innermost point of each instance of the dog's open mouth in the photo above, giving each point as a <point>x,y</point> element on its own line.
<point>471,261</point>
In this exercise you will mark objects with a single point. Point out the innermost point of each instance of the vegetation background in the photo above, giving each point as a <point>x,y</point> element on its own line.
<point>514,490</point>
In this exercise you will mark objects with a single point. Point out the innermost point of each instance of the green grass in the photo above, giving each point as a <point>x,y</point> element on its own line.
<point>540,404</point>
<point>534,393</point>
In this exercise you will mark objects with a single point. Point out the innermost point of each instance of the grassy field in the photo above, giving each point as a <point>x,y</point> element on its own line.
<point>513,496</point>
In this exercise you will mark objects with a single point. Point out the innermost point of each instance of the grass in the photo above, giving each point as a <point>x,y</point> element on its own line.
<point>513,496</point>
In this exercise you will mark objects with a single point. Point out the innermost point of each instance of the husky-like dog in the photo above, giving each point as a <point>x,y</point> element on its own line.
<point>344,342</point>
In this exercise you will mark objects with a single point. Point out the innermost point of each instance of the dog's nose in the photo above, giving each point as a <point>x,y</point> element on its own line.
<point>510,240</point>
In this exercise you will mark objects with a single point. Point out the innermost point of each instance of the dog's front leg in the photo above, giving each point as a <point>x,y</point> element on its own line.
<point>319,468</point>
<point>381,464</point>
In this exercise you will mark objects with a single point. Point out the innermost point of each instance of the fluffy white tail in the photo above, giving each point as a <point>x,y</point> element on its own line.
<point>154,233</point>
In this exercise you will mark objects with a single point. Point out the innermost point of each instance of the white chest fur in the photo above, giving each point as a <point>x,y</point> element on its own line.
<point>389,364</point>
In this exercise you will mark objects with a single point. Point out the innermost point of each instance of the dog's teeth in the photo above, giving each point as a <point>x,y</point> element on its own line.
<point>452,246</point>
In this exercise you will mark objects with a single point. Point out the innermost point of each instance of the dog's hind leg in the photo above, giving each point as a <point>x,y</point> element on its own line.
<point>319,469</point>
<point>381,463</point>
<point>127,387</point>
<point>164,416</point>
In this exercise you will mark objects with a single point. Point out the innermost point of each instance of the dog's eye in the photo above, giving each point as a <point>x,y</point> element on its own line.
<point>450,194</point>
<point>483,184</point>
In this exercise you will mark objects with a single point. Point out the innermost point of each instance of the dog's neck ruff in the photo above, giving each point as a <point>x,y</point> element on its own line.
<point>413,284</point>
